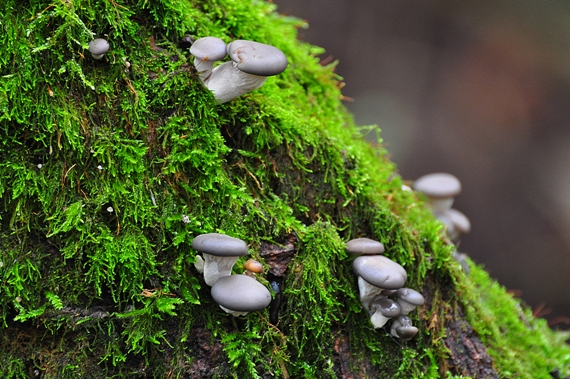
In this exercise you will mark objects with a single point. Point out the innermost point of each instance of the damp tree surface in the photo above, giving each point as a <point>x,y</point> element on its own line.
<point>109,168</point>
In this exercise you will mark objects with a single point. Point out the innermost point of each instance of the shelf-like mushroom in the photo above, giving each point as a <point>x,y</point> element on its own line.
<point>251,63</point>
<point>364,246</point>
<point>206,51</point>
<point>240,294</point>
<point>220,253</point>
<point>441,189</point>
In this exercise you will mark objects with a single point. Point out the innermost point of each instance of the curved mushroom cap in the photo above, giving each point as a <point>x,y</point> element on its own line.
<point>241,293</point>
<point>410,296</point>
<point>438,185</point>
<point>387,307</point>
<point>365,246</point>
<point>219,245</point>
<point>460,222</point>
<point>209,49</point>
<point>406,332</point>
<point>98,46</point>
<point>380,271</point>
<point>257,58</point>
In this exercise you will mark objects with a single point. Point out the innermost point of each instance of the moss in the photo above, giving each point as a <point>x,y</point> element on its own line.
<point>100,161</point>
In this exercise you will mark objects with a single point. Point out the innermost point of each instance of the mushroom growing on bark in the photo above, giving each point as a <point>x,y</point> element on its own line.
<point>206,51</point>
<point>98,47</point>
<point>220,253</point>
<point>240,294</point>
<point>383,309</point>
<point>251,63</point>
<point>402,328</point>
<point>441,189</point>
<point>377,273</point>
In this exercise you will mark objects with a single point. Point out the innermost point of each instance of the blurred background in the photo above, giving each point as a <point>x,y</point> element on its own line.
<point>479,89</point>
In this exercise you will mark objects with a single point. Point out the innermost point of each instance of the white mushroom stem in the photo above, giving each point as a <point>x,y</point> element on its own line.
<point>199,264</point>
<point>204,68</point>
<point>377,318</point>
<point>367,293</point>
<point>441,204</point>
<point>232,312</point>
<point>217,267</point>
<point>228,82</point>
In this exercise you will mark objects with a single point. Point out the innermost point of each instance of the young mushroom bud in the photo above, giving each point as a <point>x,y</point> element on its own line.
<point>409,299</point>
<point>240,294</point>
<point>98,47</point>
<point>251,64</point>
<point>252,267</point>
<point>206,51</point>
<point>402,328</point>
<point>220,254</point>
<point>440,188</point>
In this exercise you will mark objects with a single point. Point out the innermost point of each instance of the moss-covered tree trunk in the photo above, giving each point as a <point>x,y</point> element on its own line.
<point>109,168</point>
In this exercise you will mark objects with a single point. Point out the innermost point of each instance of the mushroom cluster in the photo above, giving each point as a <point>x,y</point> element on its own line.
<point>379,278</point>
<point>249,66</point>
<point>441,190</point>
<point>236,294</point>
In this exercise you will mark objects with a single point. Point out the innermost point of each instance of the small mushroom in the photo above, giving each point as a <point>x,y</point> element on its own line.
<point>251,64</point>
<point>457,223</point>
<point>364,246</point>
<point>441,189</point>
<point>240,294</point>
<point>409,299</point>
<point>383,309</point>
<point>252,267</point>
<point>206,51</point>
<point>402,328</point>
<point>98,47</point>
<point>375,274</point>
<point>220,253</point>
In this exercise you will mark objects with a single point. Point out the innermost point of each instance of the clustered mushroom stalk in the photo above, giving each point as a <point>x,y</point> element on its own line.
<point>378,278</point>
<point>220,253</point>
<point>251,63</point>
<point>441,190</point>
<point>206,51</point>
<point>235,294</point>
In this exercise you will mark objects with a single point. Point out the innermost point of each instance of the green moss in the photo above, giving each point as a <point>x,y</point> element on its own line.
<point>100,161</point>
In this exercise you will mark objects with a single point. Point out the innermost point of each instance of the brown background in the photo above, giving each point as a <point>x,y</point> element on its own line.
<point>480,90</point>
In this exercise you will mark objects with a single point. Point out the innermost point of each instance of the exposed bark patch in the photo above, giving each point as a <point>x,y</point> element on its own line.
<point>468,355</point>
<point>342,358</point>
<point>278,257</point>
<point>209,358</point>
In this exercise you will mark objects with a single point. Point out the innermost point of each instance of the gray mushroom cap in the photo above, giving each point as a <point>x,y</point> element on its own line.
<point>438,185</point>
<point>209,48</point>
<point>365,246</point>
<point>380,271</point>
<point>257,58</point>
<point>460,222</point>
<point>410,296</point>
<point>241,293</point>
<point>98,46</point>
<point>219,245</point>
<point>387,307</point>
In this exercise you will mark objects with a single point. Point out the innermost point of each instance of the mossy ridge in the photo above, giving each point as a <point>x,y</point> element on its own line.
<point>150,142</point>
